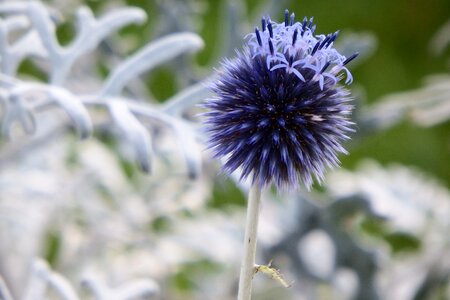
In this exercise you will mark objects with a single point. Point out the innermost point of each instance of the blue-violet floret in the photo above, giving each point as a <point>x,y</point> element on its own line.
<point>279,112</point>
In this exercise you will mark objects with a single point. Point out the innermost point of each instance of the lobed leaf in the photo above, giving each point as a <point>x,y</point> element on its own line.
<point>133,131</point>
<point>148,57</point>
<point>74,108</point>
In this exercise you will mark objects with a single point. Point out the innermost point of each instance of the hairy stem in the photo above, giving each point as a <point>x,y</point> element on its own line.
<point>251,230</point>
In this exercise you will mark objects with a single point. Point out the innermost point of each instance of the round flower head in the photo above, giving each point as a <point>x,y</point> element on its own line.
<point>279,112</point>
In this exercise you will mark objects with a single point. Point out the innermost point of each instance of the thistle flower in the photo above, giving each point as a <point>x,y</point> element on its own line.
<point>280,112</point>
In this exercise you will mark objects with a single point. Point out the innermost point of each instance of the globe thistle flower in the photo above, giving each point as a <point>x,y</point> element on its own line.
<point>280,112</point>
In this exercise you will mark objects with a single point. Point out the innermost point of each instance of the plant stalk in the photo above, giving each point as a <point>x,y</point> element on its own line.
<point>251,230</point>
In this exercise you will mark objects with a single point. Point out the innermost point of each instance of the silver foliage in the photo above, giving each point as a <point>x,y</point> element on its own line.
<point>427,106</point>
<point>28,31</point>
<point>23,99</point>
<point>43,280</point>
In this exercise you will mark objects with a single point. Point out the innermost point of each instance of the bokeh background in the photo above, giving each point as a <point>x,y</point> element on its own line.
<point>402,55</point>
<point>83,211</point>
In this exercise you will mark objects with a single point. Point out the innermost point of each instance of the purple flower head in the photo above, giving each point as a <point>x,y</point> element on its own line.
<point>279,113</point>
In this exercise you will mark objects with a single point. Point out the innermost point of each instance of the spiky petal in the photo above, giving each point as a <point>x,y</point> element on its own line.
<point>279,113</point>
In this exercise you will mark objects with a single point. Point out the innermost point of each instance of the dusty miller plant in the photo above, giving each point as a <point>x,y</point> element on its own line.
<point>22,100</point>
<point>28,31</point>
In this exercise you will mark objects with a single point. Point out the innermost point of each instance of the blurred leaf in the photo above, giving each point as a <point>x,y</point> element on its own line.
<point>186,278</point>
<point>128,168</point>
<point>373,227</point>
<point>183,282</point>
<point>161,224</point>
<point>52,247</point>
<point>72,156</point>
<point>225,193</point>
<point>401,242</point>
<point>134,133</point>
<point>74,109</point>
<point>150,56</point>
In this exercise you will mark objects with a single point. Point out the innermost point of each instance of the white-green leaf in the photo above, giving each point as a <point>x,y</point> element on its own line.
<point>153,54</point>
